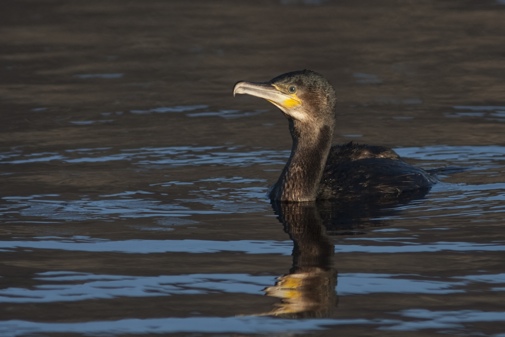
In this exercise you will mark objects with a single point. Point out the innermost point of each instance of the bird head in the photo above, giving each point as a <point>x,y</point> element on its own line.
<point>303,96</point>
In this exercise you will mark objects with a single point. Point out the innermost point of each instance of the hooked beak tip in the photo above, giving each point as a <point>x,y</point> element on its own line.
<point>237,88</point>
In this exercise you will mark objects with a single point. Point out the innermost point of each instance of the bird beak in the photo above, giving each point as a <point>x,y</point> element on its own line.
<point>267,91</point>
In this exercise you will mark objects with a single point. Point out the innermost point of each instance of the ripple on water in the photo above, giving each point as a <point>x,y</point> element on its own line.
<point>89,244</point>
<point>65,286</point>
<point>456,201</point>
<point>369,283</point>
<point>198,111</point>
<point>486,112</point>
<point>51,207</point>
<point>470,155</point>
<point>190,246</point>
<point>166,156</point>
<point>204,325</point>
<point>232,156</point>
<point>192,111</point>
<point>428,319</point>
<point>231,194</point>
<point>169,109</point>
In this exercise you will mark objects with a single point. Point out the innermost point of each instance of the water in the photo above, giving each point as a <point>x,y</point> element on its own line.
<point>133,185</point>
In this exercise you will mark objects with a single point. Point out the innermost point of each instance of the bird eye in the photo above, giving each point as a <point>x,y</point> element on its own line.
<point>292,89</point>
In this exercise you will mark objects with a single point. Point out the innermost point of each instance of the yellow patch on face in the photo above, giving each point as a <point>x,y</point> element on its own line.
<point>291,102</point>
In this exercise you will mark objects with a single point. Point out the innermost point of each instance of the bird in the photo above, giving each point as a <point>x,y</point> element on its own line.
<point>316,170</point>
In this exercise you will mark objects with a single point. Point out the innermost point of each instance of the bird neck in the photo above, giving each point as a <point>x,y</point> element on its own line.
<point>300,178</point>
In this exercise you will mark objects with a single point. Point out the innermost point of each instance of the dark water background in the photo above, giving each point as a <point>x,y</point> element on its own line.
<point>133,185</point>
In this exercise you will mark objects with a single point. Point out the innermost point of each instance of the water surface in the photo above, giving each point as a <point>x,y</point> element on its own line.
<point>133,185</point>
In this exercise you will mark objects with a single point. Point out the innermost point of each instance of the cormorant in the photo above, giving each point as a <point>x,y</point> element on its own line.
<point>315,169</point>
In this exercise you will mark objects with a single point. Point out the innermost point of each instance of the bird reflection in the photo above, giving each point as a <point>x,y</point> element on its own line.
<point>308,290</point>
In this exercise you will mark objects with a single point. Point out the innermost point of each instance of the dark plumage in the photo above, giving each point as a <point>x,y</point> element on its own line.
<point>315,170</point>
<point>370,171</point>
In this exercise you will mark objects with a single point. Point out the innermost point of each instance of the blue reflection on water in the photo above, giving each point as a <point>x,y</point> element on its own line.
<point>167,156</point>
<point>470,154</point>
<point>65,286</point>
<point>367,283</point>
<point>45,206</point>
<point>71,286</point>
<point>244,324</point>
<point>232,156</point>
<point>88,244</point>
<point>85,244</point>
<point>428,319</point>
<point>228,198</point>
